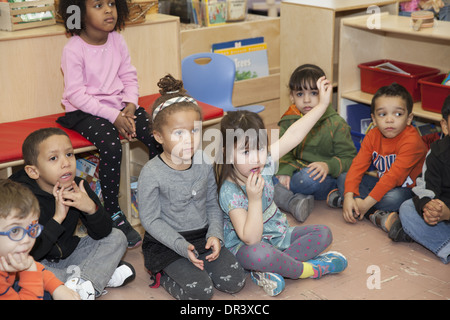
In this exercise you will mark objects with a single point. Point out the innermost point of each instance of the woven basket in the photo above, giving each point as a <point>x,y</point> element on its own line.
<point>138,9</point>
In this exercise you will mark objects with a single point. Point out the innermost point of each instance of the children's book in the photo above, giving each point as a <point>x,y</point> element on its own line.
<point>236,43</point>
<point>249,56</point>
<point>236,10</point>
<point>215,12</point>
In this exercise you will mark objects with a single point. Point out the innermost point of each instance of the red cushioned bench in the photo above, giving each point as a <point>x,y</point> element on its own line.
<point>12,134</point>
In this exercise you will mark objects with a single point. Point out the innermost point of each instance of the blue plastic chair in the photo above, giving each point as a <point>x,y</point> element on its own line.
<point>209,78</point>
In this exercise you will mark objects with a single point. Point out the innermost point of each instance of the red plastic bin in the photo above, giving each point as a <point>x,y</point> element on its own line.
<point>372,79</point>
<point>433,92</point>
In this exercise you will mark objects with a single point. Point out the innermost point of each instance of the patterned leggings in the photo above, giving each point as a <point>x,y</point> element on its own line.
<point>185,281</point>
<point>306,243</point>
<point>104,135</point>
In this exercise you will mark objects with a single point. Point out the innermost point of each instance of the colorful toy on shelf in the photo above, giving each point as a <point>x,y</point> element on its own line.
<point>446,81</point>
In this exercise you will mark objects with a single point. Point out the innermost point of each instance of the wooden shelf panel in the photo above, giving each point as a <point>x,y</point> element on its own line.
<point>396,40</point>
<point>402,26</point>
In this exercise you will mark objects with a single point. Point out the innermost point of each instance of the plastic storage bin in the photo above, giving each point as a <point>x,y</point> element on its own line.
<point>358,114</point>
<point>433,92</point>
<point>372,78</point>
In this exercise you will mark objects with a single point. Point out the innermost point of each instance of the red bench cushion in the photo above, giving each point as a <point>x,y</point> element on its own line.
<point>13,134</point>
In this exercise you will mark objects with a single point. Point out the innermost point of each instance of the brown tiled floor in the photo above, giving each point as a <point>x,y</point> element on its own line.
<point>406,270</point>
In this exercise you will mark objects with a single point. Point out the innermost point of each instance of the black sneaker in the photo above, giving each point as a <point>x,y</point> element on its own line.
<point>123,274</point>
<point>120,222</point>
<point>397,234</point>
<point>334,199</point>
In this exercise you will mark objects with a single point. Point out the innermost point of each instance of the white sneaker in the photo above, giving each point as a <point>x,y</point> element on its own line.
<point>123,274</point>
<point>84,288</point>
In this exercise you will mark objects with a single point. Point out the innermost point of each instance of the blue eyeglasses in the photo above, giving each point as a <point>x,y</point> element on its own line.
<point>18,233</point>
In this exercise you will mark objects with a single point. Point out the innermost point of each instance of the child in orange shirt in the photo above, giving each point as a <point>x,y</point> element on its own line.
<point>396,150</point>
<point>19,212</point>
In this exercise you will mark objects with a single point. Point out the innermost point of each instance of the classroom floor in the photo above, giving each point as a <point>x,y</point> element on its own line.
<point>401,271</point>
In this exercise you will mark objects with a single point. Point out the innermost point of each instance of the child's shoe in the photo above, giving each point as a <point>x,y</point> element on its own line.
<point>334,199</point>
<point>272,283</point>
<point>397,234</point>
<point>297,204</point>
<point>384,219</point>
<point>301,206</point>
<point>328,262</point>
<point>123,274</point>
<point>84,288</point>
<point>120,222</point>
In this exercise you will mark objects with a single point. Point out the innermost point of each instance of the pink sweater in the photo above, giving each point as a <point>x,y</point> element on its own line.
<point>98,79</point>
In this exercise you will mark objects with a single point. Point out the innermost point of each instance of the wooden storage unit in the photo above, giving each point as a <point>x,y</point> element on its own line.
<point>396,40</point>
<point>264,90</point>
<point>10,21</point>
<point>310,34</point>
<point>32,59</point>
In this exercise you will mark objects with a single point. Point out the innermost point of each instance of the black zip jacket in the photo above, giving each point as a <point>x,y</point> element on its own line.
<point>435,180</point>
<point>57,241</point>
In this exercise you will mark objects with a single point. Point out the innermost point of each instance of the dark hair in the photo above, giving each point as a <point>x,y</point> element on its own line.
<point>18,198</point>
<point>121,6</point>
<point>445,111</point>
<point>393,90</point>
<point>240,123</point>
<point>30,147</point>
<point>170,88</point>
<point>305,77</point>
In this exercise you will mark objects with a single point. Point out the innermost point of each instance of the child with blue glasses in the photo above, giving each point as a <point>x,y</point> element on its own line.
<point>19,212</point>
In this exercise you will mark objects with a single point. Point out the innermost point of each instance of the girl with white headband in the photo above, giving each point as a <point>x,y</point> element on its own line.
<point>178,206</point>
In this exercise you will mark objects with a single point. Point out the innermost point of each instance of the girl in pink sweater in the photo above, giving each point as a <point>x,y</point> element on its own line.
<point>101,92</point>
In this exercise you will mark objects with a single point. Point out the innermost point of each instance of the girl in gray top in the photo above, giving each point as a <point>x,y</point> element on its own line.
<point>178,205</point>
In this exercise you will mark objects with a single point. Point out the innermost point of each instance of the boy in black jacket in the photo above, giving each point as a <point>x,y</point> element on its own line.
<point>426,217</point>
<point>86,264</point>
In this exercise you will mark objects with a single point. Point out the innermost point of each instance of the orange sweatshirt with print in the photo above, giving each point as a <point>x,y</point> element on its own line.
<point>32,284</point>
<point>398,161</point>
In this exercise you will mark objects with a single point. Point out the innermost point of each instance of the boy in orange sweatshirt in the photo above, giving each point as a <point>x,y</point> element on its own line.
<point>396,150</point>
<point>21,278</point>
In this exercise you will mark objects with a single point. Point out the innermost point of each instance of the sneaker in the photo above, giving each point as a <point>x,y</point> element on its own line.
<point>301,207</point>
<point>123,274</point>
<point>272,283</point>
<point>84,288</point>
<point>334,199</point>
<point>384,219</point>
<point>120,222</point>
<point>397,234</point>
<point>328,263</point>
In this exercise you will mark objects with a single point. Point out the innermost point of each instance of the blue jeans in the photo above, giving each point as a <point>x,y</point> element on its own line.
<point>302,183</point>
<point>435,238</point>
<point>391,201</point>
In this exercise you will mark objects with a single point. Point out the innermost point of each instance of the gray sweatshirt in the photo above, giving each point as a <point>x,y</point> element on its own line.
<point>172,201</point>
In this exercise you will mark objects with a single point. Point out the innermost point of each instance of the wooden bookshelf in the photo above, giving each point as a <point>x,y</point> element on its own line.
<point>310,34</point>
<point>394,39</point>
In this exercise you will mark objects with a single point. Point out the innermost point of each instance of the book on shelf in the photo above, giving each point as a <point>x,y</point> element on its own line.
<point>249,56</point>
<point>236,43</point>
<point>215,12</point>
<point>388,66</point>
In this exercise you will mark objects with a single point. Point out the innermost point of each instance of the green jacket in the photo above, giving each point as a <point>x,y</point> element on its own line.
<point>328,141</point>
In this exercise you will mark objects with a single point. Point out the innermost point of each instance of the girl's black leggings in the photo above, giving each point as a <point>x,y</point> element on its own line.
<point>105,137</point>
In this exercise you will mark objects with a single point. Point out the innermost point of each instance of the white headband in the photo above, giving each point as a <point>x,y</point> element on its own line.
<point>171,101</point>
